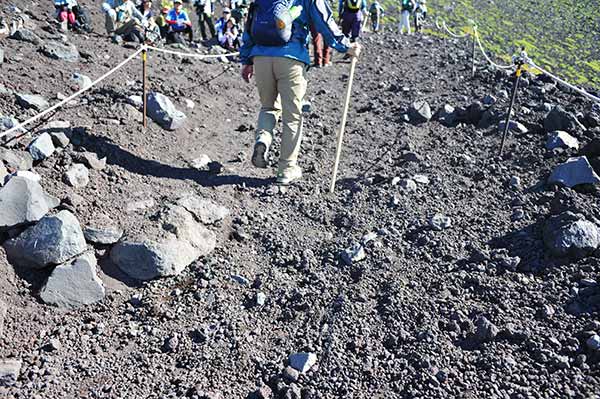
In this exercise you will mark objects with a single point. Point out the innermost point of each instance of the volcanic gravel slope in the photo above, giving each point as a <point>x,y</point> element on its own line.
<point>427,313</point>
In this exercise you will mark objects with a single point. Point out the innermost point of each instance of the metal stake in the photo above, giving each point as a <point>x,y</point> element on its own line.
<point>512,103</point>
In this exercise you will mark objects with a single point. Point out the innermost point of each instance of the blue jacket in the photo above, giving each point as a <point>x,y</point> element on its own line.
<point>316,12</point>
<point>178,21</point>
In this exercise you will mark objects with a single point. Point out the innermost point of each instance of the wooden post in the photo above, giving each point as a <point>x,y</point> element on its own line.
<point>473,52</point>
<point>340,139</point>
<point>144,86</point>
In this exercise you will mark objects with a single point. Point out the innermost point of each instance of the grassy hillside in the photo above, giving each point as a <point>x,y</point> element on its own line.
<point>561,35</point>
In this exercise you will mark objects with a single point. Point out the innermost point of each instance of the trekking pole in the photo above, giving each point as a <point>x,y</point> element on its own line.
<point>519,61</point>
<point>144,88</point>
<point>340,138</point>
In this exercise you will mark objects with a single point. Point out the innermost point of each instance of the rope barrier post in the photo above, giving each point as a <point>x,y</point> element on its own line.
<point>144,86</point>
<point>519,62</point>
<point>473,53</point>
<point>340,138</point>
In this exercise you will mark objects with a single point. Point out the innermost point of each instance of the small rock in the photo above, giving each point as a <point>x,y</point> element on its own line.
<point>91,160</point>
<point>489,100</point>
<point>568,234</point>
<point>408,185</point>
<point>103,236</point>
<point>42,147</point>
<point>203,209</point>
<point>419,112</point>
<point>560,139</point>
<point>81,80</point>
<point>291,374</point>
<point>61,51</point>
<point>16,160</point>
<point>302,361</point>
<point>559,119</point>
<point>573,172</point>
<point>36,102</point>
<point>513,126</point>
<point>353,254</point>
<point>77,176</point>
<point>189,103</point>
<point>60,139</point>
<point>140,205</point>
<point>241,280</point>
<point>485,330</point>
<point>201,163</point>
<point>162,111</point>
<point>421,179</point>
<point>440,222</point>
<point>261,298</point>
<point>593,342</point>
<point>263,392</point>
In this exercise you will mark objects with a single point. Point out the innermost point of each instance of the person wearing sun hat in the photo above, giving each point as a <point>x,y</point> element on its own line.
<point>223,20</point>
<point>179,23</point>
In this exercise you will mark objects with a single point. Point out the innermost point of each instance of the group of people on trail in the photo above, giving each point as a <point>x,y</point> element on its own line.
<point>417,8</point>
<point>139,22</point>
<point>71,15</point>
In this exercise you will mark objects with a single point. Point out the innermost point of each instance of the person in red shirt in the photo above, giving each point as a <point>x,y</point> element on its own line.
<point>180,22</point>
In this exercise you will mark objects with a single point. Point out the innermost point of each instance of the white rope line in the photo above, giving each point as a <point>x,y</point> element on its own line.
<point>564,82</point>
<point>437,23</point>
<point>71,97</point>
<point>454,34</point>
<point>485,55</point>
<point>200,56</point>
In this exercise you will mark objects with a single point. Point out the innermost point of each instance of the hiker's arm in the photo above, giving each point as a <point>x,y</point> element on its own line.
<point>340,8</point>
<point>136,14</point>
<point>322,17</point>
<point>246,49</point>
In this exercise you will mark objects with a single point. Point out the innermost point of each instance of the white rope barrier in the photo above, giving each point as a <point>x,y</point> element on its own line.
<point>71,97</point>
<point>564,82</point>
<point>200,56</point>
<point>453,34</point>
<point>485,55</point>
<point>529,61</point>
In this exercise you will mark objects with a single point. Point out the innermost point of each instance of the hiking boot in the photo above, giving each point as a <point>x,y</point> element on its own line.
<point>288,175</point>
<point>259,155</point>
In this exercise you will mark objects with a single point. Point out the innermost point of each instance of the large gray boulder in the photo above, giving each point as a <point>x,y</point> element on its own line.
<point>54,240</point>
<point>34,101</point>
<point>560,139</point>
<point>419,112</point>
<point>162,111</point>
<point>16,159</point>
<point>569,234</point>
<point>22,201</point>
<point>61,51</point>
<point>559,119</point>
<point>203,209</point>
<point>42,147</point>
<point>173,242</point>
<point>574,172</point>
<point>74,284</point>
<point>9,371</point>
<point>26,35</point>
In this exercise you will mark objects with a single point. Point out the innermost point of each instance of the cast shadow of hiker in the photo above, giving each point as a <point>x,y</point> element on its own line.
<point>116,155</point>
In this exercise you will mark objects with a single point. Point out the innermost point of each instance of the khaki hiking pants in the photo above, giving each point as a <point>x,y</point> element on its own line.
<point>287,78</point>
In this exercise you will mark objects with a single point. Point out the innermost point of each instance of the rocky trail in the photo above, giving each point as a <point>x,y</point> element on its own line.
<point>160,264</point>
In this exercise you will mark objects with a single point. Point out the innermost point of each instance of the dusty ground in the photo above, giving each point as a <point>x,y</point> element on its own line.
<point>401,323</point>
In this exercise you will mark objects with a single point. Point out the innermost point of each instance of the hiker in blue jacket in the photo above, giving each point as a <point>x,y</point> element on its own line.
<point>352,13</point>
<point>275,52</point>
